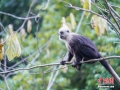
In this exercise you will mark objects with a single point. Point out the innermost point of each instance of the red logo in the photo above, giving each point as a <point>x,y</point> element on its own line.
<point>106,80</point>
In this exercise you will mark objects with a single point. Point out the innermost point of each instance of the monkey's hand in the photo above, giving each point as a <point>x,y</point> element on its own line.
<point>62,62</point>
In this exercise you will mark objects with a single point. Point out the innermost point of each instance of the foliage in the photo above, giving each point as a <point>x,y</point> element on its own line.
<point>40,43</point>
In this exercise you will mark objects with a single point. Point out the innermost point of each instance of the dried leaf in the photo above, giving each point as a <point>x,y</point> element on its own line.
<point>86,5</point>
<point>48,52</point>
<point>73,22</point>
<point>29,26</point>
<point>64,68</point>
<point>10,27</point>
<point>23,33</point>
<point>99,24</point>
<point>94,24</point>
<point>1,49</point>
<point>102,25</point>
<point>63,21</point>
<point>69,21</point>
<point>13,49</point>
<point>97,30</point>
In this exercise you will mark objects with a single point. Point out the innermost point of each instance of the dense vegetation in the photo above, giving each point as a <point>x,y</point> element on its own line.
<point>41,45</point>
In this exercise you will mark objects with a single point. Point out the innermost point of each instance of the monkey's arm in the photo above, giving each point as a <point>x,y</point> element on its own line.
<point>67,58</point>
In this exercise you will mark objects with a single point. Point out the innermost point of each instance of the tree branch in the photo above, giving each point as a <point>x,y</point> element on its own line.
<point>7,86</point>
<point>20,18</point>
<point>108,6</point>
<point>52,64</point>
<point>78,8</point>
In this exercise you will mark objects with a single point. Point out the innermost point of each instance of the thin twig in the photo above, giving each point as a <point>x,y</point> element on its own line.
<point>5,70</point>
<point>108,6</point>
<point>8,88</point>
<point>26,17</point>
<point>78,8</point>
<point>39,52</point>
<point>20,18</point>
<point>116,30</point>
<point>114,12</point>
<point>80,22</point>
<point>55,70</point>
<point>115,6</point>
<point>53,79</point>
<point>46,6</point>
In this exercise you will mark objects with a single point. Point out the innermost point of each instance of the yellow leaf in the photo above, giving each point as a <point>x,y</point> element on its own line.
<point>47,52</point>
<point>10,27</point>
<point>63,21</point>
<point>94,24</point>
<point>87,14</point>
<point>102,25</point>
<point>97,30</point>
<point>13,49</point>
<point>64,68</point>
<point>29,26</point>
<point>73,22</point>
<point>86,5</point>
<point>23,33</point>
<point>99,24</point>
<point>94,21</point>
<point>1,49</point>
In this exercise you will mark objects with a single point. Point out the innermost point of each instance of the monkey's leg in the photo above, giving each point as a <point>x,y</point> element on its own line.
<point>76,63</point>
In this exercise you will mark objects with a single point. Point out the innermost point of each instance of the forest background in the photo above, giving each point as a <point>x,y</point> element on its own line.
<point>36,23</point>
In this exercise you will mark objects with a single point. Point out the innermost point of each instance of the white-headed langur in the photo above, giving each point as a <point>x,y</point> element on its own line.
<point>82,49</point>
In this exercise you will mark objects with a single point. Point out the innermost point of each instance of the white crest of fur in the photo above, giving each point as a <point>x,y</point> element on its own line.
<point>64,28</point>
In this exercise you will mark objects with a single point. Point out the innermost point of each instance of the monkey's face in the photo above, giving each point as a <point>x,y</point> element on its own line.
<point>64,33</point>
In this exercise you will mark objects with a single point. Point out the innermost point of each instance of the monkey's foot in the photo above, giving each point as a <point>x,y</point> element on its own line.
<point>76,65</point>
<point>62,62</point>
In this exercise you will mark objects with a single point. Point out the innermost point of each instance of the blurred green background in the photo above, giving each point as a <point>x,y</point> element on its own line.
<point>43,39</point>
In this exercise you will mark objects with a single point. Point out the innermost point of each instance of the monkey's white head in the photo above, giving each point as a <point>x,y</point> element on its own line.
<point>64,32</point>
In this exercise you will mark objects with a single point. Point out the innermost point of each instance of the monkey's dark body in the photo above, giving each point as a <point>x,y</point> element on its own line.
<point>83,49</point>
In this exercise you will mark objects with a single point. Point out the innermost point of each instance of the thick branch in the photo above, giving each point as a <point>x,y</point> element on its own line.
<point>92,60</point>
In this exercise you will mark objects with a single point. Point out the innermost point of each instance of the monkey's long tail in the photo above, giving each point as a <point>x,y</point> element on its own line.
<point>111,71</point>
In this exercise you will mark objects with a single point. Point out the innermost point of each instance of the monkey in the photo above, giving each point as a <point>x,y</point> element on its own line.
<point>82,49</point>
